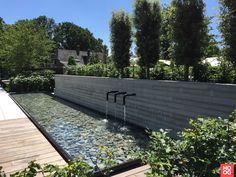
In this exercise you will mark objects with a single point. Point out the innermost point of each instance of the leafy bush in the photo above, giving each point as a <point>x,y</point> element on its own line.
<point>79,169</point>
<point>198,152</point>
<point>99,70</point>
<point>36,81</point>
<point>95,70</point>
<point>224,73</point>
<point>71,61</point>
<point>201,72</point>
<point>104,161</point>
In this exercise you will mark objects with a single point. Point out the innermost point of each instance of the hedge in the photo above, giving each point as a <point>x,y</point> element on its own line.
<point>201,73</point>
<point>36,81</point>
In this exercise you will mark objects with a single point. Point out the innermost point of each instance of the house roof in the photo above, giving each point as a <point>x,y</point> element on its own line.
<point>63,56</point>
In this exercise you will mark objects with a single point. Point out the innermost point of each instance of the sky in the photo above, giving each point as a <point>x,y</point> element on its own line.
<point>92,14</point>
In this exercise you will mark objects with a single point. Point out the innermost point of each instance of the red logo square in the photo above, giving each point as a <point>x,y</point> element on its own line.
<point>226,170</point>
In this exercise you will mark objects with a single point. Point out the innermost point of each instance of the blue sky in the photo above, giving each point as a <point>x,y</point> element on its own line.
<point>91,14</point>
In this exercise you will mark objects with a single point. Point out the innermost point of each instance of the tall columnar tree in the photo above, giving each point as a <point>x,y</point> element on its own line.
<point>120,27</point>
<point>165,33</point>
<point>228,28</point>
<point>210,45</point>
<point>147,21</point>
<point>188,32</point>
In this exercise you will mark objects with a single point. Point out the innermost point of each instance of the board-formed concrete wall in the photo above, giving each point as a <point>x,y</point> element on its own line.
<point>158,104</point>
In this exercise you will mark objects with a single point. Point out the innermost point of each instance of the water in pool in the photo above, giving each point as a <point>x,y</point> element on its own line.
<point>79,131</point>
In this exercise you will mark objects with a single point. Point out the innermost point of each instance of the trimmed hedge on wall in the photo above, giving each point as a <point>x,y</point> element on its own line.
<point>224,73</point>
<point>37,81</point>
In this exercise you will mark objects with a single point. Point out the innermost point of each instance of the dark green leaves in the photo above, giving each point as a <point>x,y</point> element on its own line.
<point>147,22</point>
<point>228,28</point>
<point>120,27</point>
<point>199,151</point>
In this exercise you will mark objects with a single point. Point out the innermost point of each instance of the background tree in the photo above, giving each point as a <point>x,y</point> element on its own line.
<point>147,21</point>
<point>70,36</point>
<point>105,54</point>
<point>212,49</point>
<point>228,28</point>
<point>24,46</point>
<point>210,46</point>
<point>2,27</point>
<point>165,33</point>
<point>120,27</point>
<point>188,32</point>
<point>47,23</point>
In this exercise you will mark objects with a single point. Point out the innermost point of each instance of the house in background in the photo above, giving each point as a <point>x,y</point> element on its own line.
<point>62,56</point>
<point>81,57</point>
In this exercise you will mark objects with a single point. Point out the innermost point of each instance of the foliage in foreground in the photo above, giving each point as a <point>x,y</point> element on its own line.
<point>199,151</point>
<point>104,161</point>
<point>76,169</point>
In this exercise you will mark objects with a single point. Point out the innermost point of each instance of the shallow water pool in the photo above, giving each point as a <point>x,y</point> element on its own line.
<point>80,131</point>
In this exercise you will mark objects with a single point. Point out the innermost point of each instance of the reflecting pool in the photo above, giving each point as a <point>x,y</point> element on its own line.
<point>80,131</point>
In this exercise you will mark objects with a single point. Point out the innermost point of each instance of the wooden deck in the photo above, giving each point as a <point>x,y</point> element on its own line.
<point>137,172</point>
<point>21,142</point>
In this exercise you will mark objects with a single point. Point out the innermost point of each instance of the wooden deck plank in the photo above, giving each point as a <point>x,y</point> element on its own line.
<point>137,172</point>
<point>21,142</point>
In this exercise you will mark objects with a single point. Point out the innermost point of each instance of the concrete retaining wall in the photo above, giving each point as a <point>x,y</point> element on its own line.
<point>158,104</point>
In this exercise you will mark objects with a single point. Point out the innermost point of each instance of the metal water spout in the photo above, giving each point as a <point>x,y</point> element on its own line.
<point>107,100</point>
<point>124,104</point>
<point>115,98</point>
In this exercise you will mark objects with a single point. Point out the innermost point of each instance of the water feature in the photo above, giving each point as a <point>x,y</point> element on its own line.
<point>107,101</point>
<point>107,108</point>
<point>124,108</point>
<point>80,131</point>
<point>124,104</point>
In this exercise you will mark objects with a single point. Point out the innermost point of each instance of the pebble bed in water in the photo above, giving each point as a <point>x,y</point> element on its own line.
<point>80,131</point>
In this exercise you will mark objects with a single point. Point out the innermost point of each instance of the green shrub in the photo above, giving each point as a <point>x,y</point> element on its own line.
<point>111,71</point>
<point>79,169</point>
<point>162,71</point>
<point>199,151</point>
<point>201,72</point>
<point>224,73</point>
<point>95,70</point>
<point>99,70</point>
<point>71,61</point>
<point>71,70</point>
<point>31,83</point>
<point>104,161</point>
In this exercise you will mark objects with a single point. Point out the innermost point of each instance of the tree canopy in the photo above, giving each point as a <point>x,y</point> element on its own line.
<point>73,37</point>
<point>147,22</point>
<point>48,23</point>
<point>24,46</point>
<point>120,27</point>
<point>228,28</point>
<point>165,33</point>
<point>2,24</point>
<point>188,32</point>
